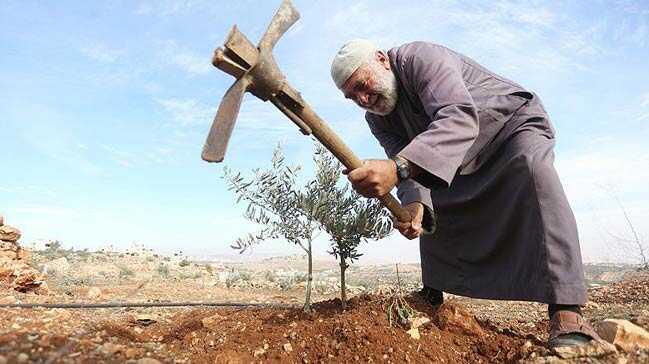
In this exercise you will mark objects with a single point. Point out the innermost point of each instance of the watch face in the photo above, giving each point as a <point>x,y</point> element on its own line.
<point>402,170</point>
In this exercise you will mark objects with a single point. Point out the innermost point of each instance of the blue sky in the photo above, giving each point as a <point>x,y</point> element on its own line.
<point>106,105</point>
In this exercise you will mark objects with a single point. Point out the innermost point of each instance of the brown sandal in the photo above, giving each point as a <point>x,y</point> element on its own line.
<point>568,328</point>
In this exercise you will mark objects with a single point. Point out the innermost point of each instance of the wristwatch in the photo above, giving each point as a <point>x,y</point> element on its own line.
<point>403,167</point>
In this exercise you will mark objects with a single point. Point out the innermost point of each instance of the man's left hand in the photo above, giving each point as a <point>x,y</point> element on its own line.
<point>411,229</point>
<point>375,178</point>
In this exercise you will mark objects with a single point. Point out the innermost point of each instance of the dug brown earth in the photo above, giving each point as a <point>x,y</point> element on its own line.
<point>362,333</point>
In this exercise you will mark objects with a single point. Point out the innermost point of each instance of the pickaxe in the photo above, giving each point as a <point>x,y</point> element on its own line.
<point>257,72</point>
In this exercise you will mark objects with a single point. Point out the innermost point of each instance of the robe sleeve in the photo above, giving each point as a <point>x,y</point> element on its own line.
<point>436,77</point>
<point>408,191</point>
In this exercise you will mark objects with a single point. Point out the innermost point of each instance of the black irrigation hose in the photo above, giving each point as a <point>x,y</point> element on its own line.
<point>144,304</point>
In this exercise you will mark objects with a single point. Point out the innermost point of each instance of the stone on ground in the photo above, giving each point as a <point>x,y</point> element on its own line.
<point>592,349</point>
<point>148,361</point>
<point>28,280</point>
<point>145,319</point>
<point>414,333</point>
<point>419,321</point>
<point>454,318</point>
<point>22,358</point>
<point>9,233</point>
<point>13,267</point>
<point>57,266</point>
<point>213,322</point>
<point>94,293</point>
<point>8,300</point>
<point>623,334</point>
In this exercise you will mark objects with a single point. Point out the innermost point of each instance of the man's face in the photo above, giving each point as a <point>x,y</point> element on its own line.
<point>373,86</point>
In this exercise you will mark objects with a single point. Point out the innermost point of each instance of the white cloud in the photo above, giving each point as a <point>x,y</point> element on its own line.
<point>187,112</point>
<point>167,7</point>
<point>192,63</point>
<point>583,43</point>
<point>640,35</point>
<point>102,53</point>
<point>161,154</point>
<point>632,7</point>
<point>28,189</point>
<point>122,158</point>
<point>540,17</point>
<point>497,33</point>
<point>144,9</point>
<point>643,113</point>
<point>51,138</point>
<point>644,100</point>
<point>605,163</point>
<point>184,59</point>
<point>644,116</point>
<point>633,28</point>
<point>47,210</point>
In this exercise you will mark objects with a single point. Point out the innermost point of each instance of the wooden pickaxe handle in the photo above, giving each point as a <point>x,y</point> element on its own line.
<point>310,123</point>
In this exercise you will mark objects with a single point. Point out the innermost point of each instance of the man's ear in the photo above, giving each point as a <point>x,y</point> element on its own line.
<point>383,59</point>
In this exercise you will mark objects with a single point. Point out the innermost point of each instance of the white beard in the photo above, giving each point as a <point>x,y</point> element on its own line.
<point>388,92</point>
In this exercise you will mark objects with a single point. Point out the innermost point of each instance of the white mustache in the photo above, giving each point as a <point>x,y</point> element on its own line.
<point>387,95</point>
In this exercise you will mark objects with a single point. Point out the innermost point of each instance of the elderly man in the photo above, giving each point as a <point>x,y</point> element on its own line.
<point>479,148</point>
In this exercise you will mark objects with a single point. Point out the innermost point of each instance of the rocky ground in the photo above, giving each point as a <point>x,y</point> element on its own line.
<point>461,331</point>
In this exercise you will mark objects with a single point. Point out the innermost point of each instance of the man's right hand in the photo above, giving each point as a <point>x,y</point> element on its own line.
<point>411,229</point>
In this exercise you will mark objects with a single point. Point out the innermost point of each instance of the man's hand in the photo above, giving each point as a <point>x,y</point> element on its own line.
<point>375,178</point>
<point>411,229</point>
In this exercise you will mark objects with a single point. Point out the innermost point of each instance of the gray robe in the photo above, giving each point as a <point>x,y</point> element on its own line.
<point>485,145</point>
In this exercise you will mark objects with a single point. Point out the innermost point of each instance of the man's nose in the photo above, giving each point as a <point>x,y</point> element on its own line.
<point>363,99</point>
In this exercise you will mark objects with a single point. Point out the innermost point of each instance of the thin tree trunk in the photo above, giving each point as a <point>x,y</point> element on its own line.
<point>343,287</point>
<point>309,280</point>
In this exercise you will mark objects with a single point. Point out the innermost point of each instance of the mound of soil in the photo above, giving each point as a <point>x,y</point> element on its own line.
<point>361,333</point>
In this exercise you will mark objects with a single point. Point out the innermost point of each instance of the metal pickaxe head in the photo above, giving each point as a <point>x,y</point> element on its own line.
<point>257,72</point>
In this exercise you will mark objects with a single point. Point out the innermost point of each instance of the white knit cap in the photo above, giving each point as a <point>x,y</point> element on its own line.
<point>351,56</point>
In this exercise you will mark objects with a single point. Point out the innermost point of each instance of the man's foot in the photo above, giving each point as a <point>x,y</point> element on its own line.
<point>574,339</point>
<point>569,328</point>
<point>431,295</point>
